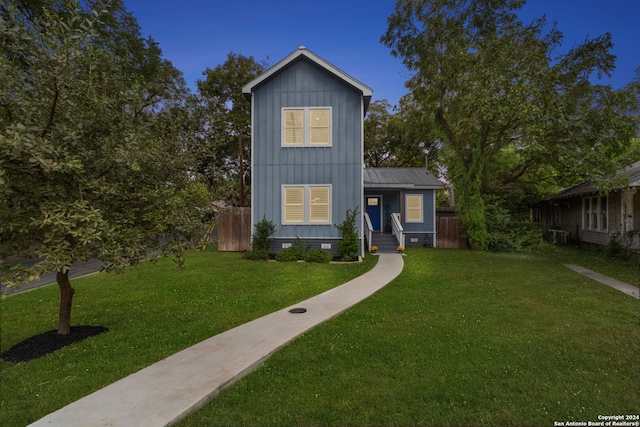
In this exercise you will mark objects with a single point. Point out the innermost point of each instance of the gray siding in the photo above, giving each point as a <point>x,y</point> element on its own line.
<point>304,84</point>
<point>571,220</point>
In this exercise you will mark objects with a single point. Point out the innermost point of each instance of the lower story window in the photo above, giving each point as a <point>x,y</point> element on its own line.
<point>414,208</point>
<point>595,213</point>
<point>306,204</point>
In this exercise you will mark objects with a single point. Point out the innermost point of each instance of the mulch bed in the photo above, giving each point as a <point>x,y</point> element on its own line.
<point>48,342</point>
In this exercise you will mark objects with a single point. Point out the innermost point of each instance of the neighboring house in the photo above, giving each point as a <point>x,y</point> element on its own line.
<point>307,145</point>
<point>581,213</point>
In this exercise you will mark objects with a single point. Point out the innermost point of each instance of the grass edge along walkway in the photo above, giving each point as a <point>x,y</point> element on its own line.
<point>459,338</point>
<point>606,280</point>
<point>168,390</point>
<point>152,311</point>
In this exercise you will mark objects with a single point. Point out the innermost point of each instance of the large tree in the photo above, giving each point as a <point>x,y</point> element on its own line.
<point>398,136</point>
<point>93,161</point>
<point>224,155</point>
<point>503,102</point>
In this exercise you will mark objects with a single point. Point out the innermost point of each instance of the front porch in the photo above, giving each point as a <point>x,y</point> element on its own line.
<point>399,207</point>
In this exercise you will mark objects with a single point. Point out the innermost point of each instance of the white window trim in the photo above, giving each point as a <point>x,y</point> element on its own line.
<point>588,207</point>
<point>406,209</point>
<point>306,127</point>
<point>306,204</point>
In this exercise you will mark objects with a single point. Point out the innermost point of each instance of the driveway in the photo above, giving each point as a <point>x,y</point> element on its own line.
<point>79,268</point>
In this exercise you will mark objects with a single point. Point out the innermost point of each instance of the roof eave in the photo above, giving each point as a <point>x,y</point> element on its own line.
<point>403,186</point>
<point>367,92</point>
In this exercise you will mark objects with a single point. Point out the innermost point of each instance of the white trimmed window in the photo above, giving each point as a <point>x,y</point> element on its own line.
<point>306,204</point>
<point>306,127</point>
<point>413,210</point>
<point>595,213</point>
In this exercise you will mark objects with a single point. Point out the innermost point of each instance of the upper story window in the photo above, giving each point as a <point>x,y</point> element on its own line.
<point>595,213</point>
<point>306,127</point>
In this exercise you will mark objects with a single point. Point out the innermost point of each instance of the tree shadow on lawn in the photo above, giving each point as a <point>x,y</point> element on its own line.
<point>48,342</point>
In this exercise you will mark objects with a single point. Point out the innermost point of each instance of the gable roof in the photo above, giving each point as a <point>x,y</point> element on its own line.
<point>405,178</point>
<point>302,51</point>
<point>632,171</point>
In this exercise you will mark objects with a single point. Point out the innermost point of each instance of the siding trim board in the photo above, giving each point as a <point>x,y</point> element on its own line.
<point>302,51</point>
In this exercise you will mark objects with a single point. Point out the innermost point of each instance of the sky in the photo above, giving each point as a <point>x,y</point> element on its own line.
<point>199,34</point>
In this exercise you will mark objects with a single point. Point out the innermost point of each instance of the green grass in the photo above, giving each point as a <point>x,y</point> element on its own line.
<point>152,311</point>
<point>460,338</point>
<point>625,271</point>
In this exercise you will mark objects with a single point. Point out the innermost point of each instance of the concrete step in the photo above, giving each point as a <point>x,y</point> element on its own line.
<point>384,242</point>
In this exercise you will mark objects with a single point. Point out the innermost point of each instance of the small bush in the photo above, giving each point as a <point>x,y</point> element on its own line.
<point>319,255</point>
<point>616,250</point>
<point>349,246</point>
<point>289,254</point>
<point>301,251</point>
<point>262,238</point>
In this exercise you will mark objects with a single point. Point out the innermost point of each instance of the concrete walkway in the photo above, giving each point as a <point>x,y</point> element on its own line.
<point>166,391</point>
<point>615,284</point>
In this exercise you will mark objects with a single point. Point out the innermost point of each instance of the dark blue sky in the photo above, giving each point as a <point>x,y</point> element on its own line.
<point>196,34</point>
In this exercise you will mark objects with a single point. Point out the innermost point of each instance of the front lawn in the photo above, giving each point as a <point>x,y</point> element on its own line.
<point>152,311</point>
<point>460,338</point>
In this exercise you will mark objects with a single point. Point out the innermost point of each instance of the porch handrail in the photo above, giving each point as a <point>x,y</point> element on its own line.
<point>398,229</point>
<point>368,230</point>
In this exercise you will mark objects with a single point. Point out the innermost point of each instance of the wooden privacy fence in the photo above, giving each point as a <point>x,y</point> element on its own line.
<point>234,229</point>
<point>450,234</point>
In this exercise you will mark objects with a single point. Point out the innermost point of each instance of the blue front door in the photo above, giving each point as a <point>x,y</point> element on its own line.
<point>374,210</point>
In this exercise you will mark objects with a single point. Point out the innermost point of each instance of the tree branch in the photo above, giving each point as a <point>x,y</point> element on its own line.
<point>52,110</point>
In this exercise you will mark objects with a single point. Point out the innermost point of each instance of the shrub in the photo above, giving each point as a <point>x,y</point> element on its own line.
<point>299,250</point>
<point>262,238</point>
<point>615,249</point>
<point>302,247</point>
<point>319,255</point>
<point>288,255</point>
<point>349,246</point>
<point>507,234</point>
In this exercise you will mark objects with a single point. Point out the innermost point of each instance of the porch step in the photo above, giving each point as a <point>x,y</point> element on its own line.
<point>384,242</point>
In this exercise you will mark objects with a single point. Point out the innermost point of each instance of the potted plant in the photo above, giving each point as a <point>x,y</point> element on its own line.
<point>400,249</point>
<point>374,249</point>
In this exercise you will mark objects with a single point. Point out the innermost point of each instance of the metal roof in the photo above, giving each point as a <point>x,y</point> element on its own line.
<point>400,178</point>
<point>302,51</point>
<point>632,171</point>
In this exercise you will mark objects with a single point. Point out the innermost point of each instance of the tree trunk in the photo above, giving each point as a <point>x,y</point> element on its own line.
<point>468,183</point>
<point>66,298</point>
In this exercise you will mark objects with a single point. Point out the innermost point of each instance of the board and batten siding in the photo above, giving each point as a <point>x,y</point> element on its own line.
<point>304,84</point>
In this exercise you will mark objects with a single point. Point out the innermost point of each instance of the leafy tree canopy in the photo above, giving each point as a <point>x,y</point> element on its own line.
<point>93,160</point>
<point>398,136</point>
<point>505,105</point>
<point>225,118</point>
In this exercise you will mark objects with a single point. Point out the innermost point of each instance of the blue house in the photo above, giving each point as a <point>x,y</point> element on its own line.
<point>307,144</point>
